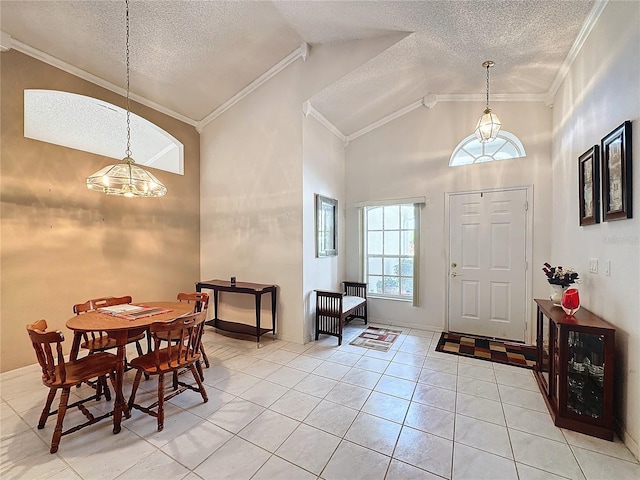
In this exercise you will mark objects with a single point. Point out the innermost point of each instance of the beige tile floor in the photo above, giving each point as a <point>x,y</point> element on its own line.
<point>318,411</point>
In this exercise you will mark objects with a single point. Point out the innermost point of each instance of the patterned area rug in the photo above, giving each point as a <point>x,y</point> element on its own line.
<point>511,353</point>
<point>376,338</point>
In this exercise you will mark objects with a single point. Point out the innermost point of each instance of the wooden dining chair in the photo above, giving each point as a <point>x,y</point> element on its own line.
<point>99,341</point>
<point>183,338</point>
<point>60,375</point>
<point>200,304</point>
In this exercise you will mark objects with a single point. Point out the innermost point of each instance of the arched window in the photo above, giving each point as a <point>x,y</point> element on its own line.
<point>470,150</point>
<point>95,126</point>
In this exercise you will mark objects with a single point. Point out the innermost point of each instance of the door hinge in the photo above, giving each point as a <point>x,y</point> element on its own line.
<point>526,265</point>
<point>526,205</point>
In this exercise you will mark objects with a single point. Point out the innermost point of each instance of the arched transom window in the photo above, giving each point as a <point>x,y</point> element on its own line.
<point>470,150</point>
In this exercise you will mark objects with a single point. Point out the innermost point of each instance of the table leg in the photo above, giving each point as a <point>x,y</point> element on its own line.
<point>120,404</point>
<point>258,303</point>
<point>273,309</point>
<point>75,346</point>
<point>215,307</point>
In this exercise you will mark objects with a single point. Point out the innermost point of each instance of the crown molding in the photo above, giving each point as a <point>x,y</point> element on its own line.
<point>89,77</point>
<point>588,25</point>
<point>301,52</point>
<point>495,97</point>
<point>386,119</point>
<point>309,110</point>
<point>5,42</point>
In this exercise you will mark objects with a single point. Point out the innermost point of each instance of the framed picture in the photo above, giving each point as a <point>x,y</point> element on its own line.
<point>589,186</point>
<point>615,150</point>
<point>326,226</point>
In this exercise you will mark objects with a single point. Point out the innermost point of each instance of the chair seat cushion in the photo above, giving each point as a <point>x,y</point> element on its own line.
<point>85,368</point>
<point>350,301</point>
<point>147,362</point>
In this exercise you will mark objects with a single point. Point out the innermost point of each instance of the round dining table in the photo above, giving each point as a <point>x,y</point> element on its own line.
<point>117,328</point>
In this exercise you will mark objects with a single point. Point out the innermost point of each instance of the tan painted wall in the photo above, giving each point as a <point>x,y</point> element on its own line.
<point>62,244</point>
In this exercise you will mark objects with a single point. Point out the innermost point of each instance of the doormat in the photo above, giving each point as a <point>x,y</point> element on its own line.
<point>376,338</point>
<point>510,353</point>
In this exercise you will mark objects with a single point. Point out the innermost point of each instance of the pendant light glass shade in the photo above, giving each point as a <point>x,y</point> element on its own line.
<point>489,124</point>
<point>126,179</point>
<point>488,127</point>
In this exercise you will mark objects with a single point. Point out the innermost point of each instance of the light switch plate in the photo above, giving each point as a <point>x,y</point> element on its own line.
<point>593,265</point>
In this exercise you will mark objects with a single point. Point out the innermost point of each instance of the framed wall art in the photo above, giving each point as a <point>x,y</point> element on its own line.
<point>326,226</point>
<point>615,150</point>
<point>589,186</point>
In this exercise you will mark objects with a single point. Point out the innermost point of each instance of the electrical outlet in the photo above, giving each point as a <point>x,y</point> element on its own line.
<point>593,265</point>
<point>607,268</point>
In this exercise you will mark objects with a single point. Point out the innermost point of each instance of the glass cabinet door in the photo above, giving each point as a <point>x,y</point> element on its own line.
<point>585,374</point>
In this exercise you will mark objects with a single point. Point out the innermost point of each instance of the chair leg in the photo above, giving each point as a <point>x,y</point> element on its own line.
<point>204,356</point>
<point>139,350</point>
<point>201,389</point>
<point>199,368</point>
<point>62,410</point>
<point>47,408</point>
<point>160,402</point>
<point>105,388</point>
<point>175,380</point>
<point>134,389</point>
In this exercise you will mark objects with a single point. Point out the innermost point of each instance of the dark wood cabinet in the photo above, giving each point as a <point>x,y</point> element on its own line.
<point>575,369</point>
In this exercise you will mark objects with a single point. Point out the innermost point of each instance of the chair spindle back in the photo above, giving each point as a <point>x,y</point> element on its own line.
<point>184,336</point>
<point>42,341</point>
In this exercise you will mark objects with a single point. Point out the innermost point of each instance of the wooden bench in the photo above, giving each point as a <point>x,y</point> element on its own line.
<point>335,309</point>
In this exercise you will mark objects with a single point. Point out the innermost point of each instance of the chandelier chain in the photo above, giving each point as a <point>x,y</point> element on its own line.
<point>488,86</point>
<point>128,151</point>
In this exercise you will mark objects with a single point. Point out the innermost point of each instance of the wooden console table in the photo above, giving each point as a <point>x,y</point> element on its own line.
<point>255,289</point>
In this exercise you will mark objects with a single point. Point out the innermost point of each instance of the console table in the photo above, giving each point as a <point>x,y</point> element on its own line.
<point>255,289</point>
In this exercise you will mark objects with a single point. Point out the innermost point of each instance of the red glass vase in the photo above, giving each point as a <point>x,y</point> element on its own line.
<point>571,301</point>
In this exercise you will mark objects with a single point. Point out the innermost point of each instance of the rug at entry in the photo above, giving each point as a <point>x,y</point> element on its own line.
<point>510,353</point>
<point>376,338</point>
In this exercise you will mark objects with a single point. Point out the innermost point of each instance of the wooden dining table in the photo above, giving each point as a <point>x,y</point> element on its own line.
<point>117,328</point>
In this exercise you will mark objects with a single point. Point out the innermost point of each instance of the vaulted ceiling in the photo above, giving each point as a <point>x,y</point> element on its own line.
<point>190,57</point>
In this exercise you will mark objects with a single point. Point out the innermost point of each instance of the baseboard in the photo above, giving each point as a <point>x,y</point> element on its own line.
<point>629,442</point>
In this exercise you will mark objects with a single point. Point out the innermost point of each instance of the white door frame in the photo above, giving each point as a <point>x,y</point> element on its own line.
<point>529,323</point>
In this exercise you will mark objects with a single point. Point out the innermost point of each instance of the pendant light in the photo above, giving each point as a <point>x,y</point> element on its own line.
<point>126,179</point>
<point>489,124</point>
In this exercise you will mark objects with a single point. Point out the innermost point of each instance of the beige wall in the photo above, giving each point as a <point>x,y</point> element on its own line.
<point>62,244</point>
<point>600,92</point>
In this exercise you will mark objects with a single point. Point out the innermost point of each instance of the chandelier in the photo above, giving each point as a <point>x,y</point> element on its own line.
<point>489,124</point>
<point>126,179</point>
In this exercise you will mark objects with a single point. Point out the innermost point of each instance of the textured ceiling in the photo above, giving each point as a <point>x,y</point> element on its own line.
<point>191,57</point>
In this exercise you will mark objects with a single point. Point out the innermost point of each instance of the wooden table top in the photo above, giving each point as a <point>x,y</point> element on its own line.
<point>95,320</point>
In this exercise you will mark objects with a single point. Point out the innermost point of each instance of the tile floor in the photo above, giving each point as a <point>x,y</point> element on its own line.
<point>318,411</point>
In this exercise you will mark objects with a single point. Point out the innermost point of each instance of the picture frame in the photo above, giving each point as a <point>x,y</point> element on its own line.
<point>615,152</point>
<point>326,226</point>
<point>589,186</point>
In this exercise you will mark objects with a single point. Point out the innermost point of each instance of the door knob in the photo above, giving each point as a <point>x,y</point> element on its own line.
<point>454,274</point>
<point>454,264</point>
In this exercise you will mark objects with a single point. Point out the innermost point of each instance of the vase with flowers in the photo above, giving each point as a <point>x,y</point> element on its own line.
<point>559,278</point>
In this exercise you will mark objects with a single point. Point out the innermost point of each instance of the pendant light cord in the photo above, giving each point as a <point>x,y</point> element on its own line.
<point>128,151</point>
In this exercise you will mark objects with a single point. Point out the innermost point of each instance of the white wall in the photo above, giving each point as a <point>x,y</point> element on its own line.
<point>323,173</point>
<point>601,91</point>
<point>410,157</point>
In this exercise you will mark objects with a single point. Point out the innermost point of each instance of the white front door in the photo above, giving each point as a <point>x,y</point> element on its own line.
<point>487,255</point>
